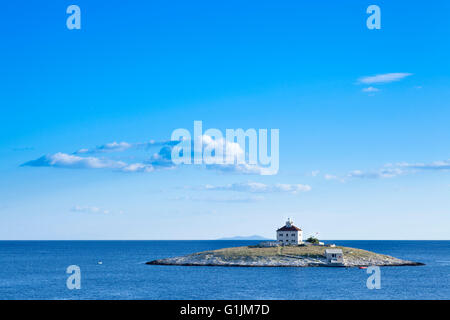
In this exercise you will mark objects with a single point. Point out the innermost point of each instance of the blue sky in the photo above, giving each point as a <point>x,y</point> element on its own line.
<point>375,161</point>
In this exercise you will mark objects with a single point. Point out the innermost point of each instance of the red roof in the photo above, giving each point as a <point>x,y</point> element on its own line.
<point>291,228</point>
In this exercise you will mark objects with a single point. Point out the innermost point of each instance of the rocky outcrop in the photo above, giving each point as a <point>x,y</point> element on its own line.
<point>274,257</point>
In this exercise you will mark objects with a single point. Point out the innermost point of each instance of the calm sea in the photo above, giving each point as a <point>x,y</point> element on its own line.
<point>37,270</point>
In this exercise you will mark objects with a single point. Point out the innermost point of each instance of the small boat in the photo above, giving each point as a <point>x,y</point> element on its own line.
<point>363,267</point>
<point>100,262</point>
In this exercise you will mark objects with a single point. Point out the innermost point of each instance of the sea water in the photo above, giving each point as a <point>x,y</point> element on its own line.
<point>37,270</point>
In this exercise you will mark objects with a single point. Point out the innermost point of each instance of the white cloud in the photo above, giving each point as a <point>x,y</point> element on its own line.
<point>123,146</point>
<point>109,147</point>
<point>382,173</point>
<point>224,199</point>
<point>230,150</point>
<point>138,167</point>
<point>89,210</point>
<point>436,165</point>
<point>239,168</point>
<point>315,173</point>
<point>384,78</point>
<point>160,160</point>
<point>64,160</point>
<point>392,171</point>
<point>370,90</point>
<point>257,187</point>
<point>359,174</point>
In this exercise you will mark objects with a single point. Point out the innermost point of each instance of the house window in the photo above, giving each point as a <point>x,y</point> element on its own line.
<point>281,234</point>
<point>293,234</point>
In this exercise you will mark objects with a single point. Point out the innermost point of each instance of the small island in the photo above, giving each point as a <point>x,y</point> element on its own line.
<point>288,251</point>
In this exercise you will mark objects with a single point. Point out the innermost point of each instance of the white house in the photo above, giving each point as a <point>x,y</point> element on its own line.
<point>334,256</point>
<point>289,234</point>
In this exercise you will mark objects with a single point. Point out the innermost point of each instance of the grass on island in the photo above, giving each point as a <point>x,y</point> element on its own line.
<point>310,251</point>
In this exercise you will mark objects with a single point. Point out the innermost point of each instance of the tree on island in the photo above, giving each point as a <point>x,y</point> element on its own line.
<point>312,240</point>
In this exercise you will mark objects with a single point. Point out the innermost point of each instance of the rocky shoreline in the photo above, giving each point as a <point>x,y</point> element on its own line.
<point>281,257</point>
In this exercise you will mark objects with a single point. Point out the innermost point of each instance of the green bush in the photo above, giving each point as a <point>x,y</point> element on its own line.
<point>312,240</point>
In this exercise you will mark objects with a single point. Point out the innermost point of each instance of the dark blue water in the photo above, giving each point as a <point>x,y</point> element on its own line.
<point>36,270</point>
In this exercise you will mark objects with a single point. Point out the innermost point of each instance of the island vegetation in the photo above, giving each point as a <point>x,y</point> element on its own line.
<point>312,240</point>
